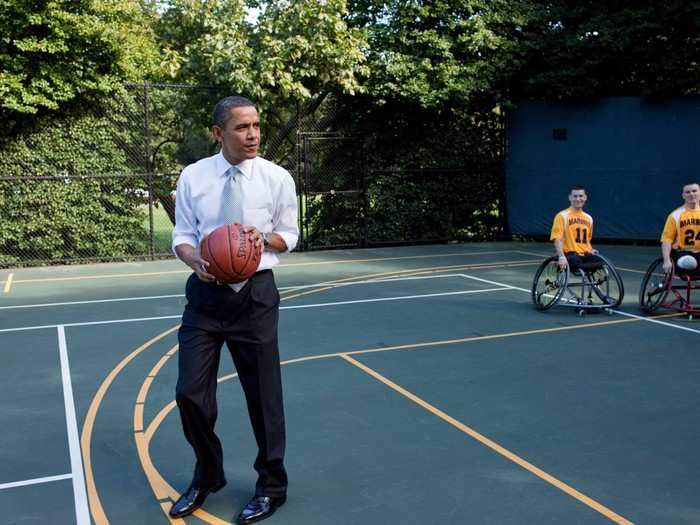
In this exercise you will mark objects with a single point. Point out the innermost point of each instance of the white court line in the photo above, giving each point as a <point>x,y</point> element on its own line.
<point>317,305</point>
<point>620,312</point>
<point>91,323</point>
<point>82,512</point>
<point>151,297</point>
<point>494,283</point>
<point>651,320</point>
<point>392,298</point>
<point>34,481</point>
<point>92,301</point>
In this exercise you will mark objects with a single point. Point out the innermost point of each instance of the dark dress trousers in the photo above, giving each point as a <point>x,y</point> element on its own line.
<point>247,322</point>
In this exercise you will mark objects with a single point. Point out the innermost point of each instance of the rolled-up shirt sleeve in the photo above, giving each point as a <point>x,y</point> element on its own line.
<point>185,231</point>
<point>285,223</point>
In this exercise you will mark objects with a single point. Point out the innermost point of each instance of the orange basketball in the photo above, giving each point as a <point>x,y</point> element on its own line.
<point>231,253</point>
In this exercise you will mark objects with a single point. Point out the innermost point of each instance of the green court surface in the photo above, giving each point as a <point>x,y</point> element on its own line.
<point>421,387</point>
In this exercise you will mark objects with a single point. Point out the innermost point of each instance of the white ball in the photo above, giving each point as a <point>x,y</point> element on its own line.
<point>687,262</point>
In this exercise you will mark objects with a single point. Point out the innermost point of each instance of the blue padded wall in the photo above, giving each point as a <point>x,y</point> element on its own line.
<point>632,155</point>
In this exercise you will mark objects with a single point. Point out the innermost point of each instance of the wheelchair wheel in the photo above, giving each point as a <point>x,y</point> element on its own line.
<point>549,284</point>
<point>607,284</point>
<point>654,288</point>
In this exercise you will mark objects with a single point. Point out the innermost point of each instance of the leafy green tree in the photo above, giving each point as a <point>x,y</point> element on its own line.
<point>67,53</point>
<point>291,52</point>
<point>66,192</point>
<point>440,53</point>
<point>448,52</point>
<point>592,49</point>
<point>287,59</point>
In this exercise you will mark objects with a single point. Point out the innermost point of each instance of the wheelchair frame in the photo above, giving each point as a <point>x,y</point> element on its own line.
<point>594,292</point>
<point>658,285</point>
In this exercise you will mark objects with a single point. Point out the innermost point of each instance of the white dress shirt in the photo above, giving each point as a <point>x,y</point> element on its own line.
<point>268,196</point>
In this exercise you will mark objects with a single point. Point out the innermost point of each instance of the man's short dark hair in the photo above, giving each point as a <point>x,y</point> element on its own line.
<point>690,183</point>
<point>577,187</point>
<point>222,110</point>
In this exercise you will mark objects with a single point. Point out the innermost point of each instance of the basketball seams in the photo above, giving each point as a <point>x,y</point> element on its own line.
<point>208,256</point>
<point>215,262</point>
<point>229,254</point>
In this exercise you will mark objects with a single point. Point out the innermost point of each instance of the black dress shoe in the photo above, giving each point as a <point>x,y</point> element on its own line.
<point>259,508</point>
<point>192,499</point>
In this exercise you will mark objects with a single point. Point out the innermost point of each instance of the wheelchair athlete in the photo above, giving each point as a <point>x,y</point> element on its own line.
<point>672,278</point>
<point>599,287</point>
<point>572,231</point>
<point>680,240</point>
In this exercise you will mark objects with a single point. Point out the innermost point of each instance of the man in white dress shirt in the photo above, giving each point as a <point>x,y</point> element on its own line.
<point>234,183</point>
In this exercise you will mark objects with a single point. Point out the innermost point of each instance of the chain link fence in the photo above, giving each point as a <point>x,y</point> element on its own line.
<point>99,185</point>
<point>62,219</point>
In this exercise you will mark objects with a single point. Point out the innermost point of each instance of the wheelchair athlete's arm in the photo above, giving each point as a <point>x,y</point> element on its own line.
<point>559,247</point>
<point>666,253</point>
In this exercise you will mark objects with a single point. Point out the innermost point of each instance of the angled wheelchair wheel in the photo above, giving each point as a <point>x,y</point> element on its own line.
<point>549,284</point>
<point>655,286</point>
<point>607,284</point>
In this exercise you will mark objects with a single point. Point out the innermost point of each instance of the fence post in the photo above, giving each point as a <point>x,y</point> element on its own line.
<point>148,165</point>
<point>364,202</point>
<point>503,226</point>
<point>151,225</point>
<point>302,198</point>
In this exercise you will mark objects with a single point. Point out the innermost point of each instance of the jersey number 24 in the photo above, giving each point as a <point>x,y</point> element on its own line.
<point>690,237</point>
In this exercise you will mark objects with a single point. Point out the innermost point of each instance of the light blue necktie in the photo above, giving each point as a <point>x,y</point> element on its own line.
<point>232,198</point>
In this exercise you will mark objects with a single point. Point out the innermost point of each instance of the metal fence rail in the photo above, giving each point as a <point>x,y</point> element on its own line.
<point>63,218</point>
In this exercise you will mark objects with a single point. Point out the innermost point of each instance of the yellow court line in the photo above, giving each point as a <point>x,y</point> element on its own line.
<point>492,444</point>
<point>138,417</point>
<point>402,257</point>
<point>143,393</point>
<point>165,506</point>
<point>486,337</point>
<point>96,509</point>
<point>171,272</point>
<point>541,255</point>
<point>104,276</point>
<point>498,336</point>
<point>631,270</point>
<point>8,282</point>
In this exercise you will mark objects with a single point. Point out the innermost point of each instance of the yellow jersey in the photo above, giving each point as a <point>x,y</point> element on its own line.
<point>575,229</point>
<point>682,229</point>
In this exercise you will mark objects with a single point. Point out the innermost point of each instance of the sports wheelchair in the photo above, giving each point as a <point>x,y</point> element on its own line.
<point>673,291</point>
<point>589,287</point>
